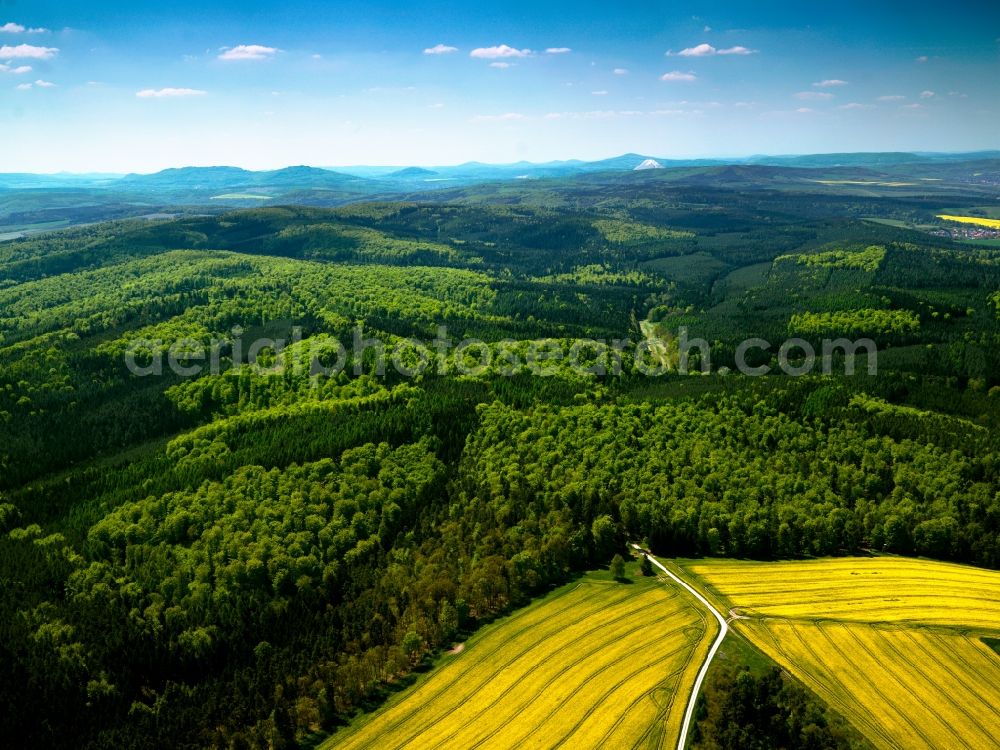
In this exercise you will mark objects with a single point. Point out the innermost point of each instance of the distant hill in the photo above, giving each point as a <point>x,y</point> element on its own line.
<point>411,172</point>
<point>865,159</point>
<point>235,180</point>
<point>191,178</point>
<point>299,175</point>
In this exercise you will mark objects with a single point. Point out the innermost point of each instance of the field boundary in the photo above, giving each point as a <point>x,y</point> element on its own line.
<point>723,629</point>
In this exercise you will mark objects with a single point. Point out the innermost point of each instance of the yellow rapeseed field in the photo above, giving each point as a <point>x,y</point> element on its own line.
<point>596,664</point>
<point>903,687</point>
<point>991,223</point>
<point>894,644</point>
<point>862,589</point>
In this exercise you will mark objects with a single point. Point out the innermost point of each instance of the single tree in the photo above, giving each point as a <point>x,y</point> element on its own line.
<point>645,566</point>
<point>617,567</point>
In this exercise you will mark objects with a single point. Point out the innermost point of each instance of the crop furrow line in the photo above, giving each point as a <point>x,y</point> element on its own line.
<point>626,617</point>
<point>534,644</point>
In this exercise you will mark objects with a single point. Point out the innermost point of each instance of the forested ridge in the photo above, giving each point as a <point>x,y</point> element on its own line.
<point>246,558</point>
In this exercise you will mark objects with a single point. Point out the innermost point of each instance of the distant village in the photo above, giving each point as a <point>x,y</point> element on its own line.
<point>967,232</point>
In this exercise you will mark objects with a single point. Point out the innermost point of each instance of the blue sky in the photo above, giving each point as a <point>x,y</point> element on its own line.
<point>139,86</point>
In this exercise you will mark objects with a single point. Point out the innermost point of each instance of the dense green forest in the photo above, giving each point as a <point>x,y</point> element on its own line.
<point>244,558</point>
<point>742,710</point>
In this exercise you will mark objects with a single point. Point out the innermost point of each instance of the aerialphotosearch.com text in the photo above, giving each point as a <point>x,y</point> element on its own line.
<point>323,355</point>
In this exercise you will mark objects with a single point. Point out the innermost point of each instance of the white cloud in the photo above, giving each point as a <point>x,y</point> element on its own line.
<point>44,84</point>
<point>959,94</point>
<point>436,105</point>
<point>602,114</point>
<point>707,50</point>
<point>675,112</point>
<point>249,52</point>
<point>502,65</point>
<point>558,50</point>
<point>168,93</point>
<point>28,51</point>
<point>926,94</point>
<point>805,111</point>
<point>855,105</point>
<point>701,50</point>
<point>620,71</point>
<point>316,56</point>
<point>676,75</point>
<point>814,96</point>
<point>699,105</point>
<point>829,82</point>
<point>506,117</point>
<point>440,49</point>
<point>707,29</point>
<point>891,98</point>
<point>913,106</point>
<point>23,86</point>
<point>16,28</point>
<point>922,59</point>
<point>502,50</point>
<point>602,92</point>
<point>20,70</point>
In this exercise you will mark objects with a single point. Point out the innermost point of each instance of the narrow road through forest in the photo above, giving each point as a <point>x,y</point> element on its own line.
<point>723,629</point>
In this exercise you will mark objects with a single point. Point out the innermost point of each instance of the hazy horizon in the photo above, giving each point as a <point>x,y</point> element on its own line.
<point>728,158</point>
